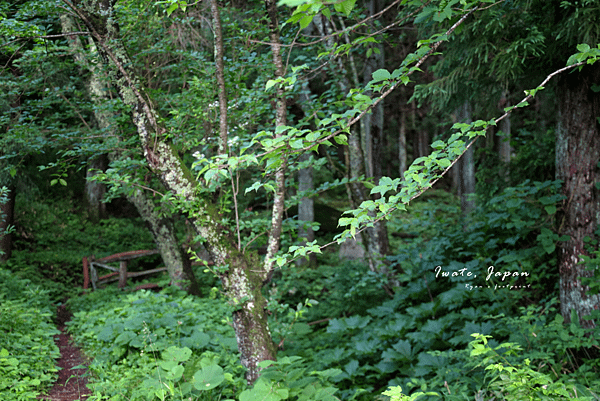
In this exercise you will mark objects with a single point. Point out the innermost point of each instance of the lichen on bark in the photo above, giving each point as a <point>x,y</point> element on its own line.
<point>240,274</point>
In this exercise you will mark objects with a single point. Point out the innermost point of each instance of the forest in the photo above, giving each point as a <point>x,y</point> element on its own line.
<point>300,200</point>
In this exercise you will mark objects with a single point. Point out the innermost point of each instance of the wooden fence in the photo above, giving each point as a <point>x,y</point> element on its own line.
<point>90,266</point>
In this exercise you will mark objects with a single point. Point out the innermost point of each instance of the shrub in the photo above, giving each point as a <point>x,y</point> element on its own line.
<point>27,348</point>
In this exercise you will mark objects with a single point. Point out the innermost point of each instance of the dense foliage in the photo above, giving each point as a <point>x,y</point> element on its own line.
<point>27,350</point>
<point>456,293</point>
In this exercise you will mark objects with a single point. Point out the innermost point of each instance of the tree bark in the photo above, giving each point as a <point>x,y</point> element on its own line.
<point>7,213</point>
<point>577,156</point>
<point>306,207</point>
<point>306,210</point>
<point>464,169</point>
<point>280,121</point>
<point>504,148</point>
<point>241,275</point>
<point>220,73</point>
<point>94,190</point>
<point>175,259</point>
<point>402,151</point>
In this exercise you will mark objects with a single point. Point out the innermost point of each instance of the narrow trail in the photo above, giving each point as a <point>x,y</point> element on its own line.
<point>70,385</point>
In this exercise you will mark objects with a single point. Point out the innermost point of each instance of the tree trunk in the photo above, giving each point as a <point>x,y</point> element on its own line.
<point>7,212</point>
<point>402,151</point>
<point>464,170</point>
<point>242,275</point>
<point>577,156</point>
<point>280,121</point>
<point>306,210</point>
<point>306,207</point>
<point>220,75</point>
<point>94,191</point>
<point>175,259</point>
<point>375,238</point>
<point>504,148</point>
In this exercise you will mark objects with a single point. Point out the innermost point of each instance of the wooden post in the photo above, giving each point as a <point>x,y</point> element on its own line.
<point>122,273</point>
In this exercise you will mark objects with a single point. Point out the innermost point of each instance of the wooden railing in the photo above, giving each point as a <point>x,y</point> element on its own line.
<point>90,266</point>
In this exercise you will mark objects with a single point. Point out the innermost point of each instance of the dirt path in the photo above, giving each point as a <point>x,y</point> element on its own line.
<point>70,385</point>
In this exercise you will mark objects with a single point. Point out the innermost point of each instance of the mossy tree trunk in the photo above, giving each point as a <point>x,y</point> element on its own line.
<point>163,231</point>
<point>94,190</point>
<point>577,157</point>
<point>162,228</point>
<point>7,212</point>
<point>242,275</point>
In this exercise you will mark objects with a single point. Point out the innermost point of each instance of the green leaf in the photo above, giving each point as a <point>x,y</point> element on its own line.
<point>345,221</point>
<point>583,47</point>
<point>270,84</point>
<point>345,6</point>
<point>177,354</point>
<point>264,392</point>
<point>381,75</point>
<point>341,139</point>
<point>297,144</point>
<point>208,377</point>
<point>305,21</point>
<point>438,145</point>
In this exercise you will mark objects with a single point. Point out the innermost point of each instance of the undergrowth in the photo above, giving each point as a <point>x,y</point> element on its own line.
<point>475,316</point>
<point>51,240</point>
<point>27,348</point>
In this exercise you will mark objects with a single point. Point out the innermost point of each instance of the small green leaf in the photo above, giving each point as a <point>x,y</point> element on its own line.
<point>305,21</point>
<point>381,75</point>
<point>583,47</point>
<point>438,145</point>
<point>270,84</point>
<point>344,6</point>
<point>341,139</point>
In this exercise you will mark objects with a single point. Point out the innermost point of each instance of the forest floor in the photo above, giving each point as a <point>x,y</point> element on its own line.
<point>71,383</point>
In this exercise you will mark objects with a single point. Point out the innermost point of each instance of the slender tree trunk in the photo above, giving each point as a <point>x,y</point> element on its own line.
<point>243,277</point>
<point>577,156</point>
<point>280,121</point>
<point>175,259</point>
<point>220,73</point>
<point>306,207</point>
<point>7,213</point>
<point>422,143</point>
<point>464,169</point>
<point>94,190</point>
<point>402,152</point>
<point>375,238</point>
<point>504,148</point>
